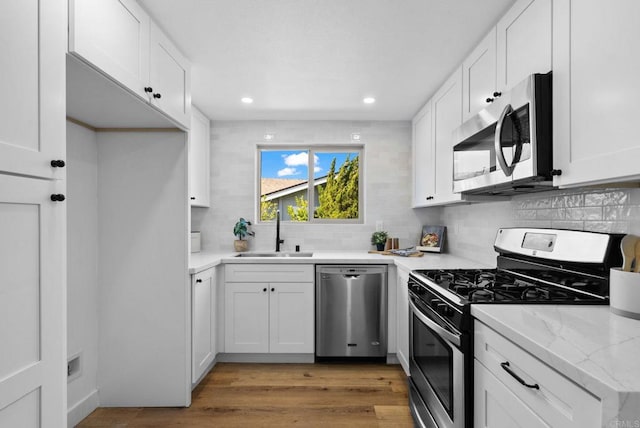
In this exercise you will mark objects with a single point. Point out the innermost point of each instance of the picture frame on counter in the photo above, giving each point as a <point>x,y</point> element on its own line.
<point>432,239</point>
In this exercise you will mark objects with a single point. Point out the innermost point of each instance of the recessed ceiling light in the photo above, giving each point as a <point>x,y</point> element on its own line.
<point>247,100</point>
<point>269,137</point>
<point>369,100</point>
<point>355,136</point>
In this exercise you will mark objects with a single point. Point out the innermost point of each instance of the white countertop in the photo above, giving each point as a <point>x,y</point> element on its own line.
<point>203,260</point>
<point>596,349</point>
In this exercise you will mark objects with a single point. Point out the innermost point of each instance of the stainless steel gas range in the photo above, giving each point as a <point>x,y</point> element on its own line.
<point>534,266</point>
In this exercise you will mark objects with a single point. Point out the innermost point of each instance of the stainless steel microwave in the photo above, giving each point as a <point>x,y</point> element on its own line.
<point>506,148</point>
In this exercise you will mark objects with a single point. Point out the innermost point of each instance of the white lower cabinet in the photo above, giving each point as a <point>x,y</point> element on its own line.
<point>203,325</point>
<point>269,309</point>
<point>513,388</point>
<point>402,319</point>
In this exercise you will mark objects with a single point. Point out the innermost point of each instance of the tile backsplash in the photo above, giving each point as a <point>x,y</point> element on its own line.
<point>472,228</point>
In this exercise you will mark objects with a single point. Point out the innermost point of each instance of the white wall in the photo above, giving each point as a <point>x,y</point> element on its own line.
<point>82,259</point>
<point>387,147</point>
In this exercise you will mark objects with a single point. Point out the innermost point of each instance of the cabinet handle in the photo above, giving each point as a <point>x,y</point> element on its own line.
<point>506,368</point>
<point>58,163</point>
<point>497,94</point>
<point>157,96</point>
<point>429,198</point>
<point>556,172</point>
<point>193,198</point>
<point>264,289</point>
<point>489,100</point>
<point>57,197</point>
<point>273,289</point>
<point>198,280</point>
<point>148,89</point>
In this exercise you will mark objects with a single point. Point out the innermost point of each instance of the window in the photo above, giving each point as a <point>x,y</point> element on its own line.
<point>285,174</point>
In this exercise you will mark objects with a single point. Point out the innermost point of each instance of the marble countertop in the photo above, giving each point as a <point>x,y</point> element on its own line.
<point>596,349</point>
<point>205,260</point>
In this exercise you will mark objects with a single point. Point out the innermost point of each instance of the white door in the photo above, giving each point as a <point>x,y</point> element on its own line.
<point>447,116</point>
<point>202,323</point>
<point>32,86</point>
<point>423,161</point>
<point>199,150</point>
<point>596,91</point>
<point>113,35</point>
<point>524,42</point>
<point>32,304</point>
<point>402,323</point>
<point>479,76</point>
<point>291,319</point>
<point>169,73</point>
<point>246,326</point>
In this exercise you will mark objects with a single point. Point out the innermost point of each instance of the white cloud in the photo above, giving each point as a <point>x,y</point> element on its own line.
<point>296,159</point>
<point>284,172</point>
<point>317,169</point>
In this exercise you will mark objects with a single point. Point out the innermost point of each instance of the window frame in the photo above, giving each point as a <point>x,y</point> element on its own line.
<point>310,194</point>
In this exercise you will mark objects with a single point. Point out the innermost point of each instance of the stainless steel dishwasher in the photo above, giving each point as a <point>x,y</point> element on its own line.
<point>351,311</point>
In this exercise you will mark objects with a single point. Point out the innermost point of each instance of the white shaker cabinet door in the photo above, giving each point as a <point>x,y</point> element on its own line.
<point>423,161</point>
<point>32,87</point>
<point>169,77</point>
<point>596,91</point>
<point>246,325</point>
<point>524,42</point>
<point>203,323</point>
<point>291,320</point>
<point>479,76</point>
<point>402,314</point>
<point>113,35</point>
<point>199,162</point>
<point>32,303</point>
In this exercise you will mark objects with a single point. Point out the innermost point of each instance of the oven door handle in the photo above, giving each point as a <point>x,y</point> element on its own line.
<point>441,331</point>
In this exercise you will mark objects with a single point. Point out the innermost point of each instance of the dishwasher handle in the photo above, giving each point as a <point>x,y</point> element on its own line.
<point>351,275</point>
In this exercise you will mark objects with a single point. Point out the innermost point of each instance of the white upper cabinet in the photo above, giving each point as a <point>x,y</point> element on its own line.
<point>169,77</point>
<point>519,45</point>
<point>199,163</point>
<point>32,125</point>
<point>119,39</point>
<point>113,35</point>
<point>447,116</point>
<point>596,91</point>
<point>524,42</point>
<point>423,161</point>
<point>479,76</point>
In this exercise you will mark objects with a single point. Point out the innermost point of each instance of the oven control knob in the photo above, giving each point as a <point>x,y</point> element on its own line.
<point>436,303</point>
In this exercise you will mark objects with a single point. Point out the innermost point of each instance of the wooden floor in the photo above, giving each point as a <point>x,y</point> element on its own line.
<point>281,395</point>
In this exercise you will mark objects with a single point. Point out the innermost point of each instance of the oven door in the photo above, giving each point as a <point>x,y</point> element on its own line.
<point>436,365</point>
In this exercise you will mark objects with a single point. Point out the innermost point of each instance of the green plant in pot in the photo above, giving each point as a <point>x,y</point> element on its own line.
<point>241,229</point>
<point>379,238</point>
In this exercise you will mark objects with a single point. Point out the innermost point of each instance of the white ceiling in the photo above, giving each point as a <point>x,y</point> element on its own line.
<point>317,59</point>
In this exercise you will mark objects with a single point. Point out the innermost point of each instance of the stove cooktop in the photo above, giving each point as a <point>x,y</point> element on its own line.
<point>497,286</point>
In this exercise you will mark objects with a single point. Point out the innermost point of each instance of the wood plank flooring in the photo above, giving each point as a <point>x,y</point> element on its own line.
<point>281,395</point>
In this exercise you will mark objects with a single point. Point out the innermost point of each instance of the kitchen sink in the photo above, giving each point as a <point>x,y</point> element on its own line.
<point>275,254</point>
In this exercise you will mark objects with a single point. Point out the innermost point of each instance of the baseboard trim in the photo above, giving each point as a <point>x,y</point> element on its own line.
<point>265,358</point>
<point>82,409</point>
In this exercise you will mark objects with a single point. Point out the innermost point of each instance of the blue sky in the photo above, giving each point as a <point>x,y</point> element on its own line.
<point>294,163</point>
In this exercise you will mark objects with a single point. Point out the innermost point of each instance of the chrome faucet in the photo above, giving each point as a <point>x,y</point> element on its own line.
<point>278,240</point>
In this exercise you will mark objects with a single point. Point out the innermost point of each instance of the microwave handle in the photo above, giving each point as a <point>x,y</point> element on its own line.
<point>507,169</point>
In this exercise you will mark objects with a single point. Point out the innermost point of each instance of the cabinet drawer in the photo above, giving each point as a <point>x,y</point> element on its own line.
<point>557,400</point>
<point>268,273</point>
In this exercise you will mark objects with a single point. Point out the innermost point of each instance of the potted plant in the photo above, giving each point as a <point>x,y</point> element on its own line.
<point>379,238</point>
<point>241,229</point>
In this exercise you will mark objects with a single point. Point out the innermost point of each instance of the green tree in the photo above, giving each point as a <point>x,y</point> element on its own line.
<point>267,209</point>
<point>300,212</point>
<point>338,198</point>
